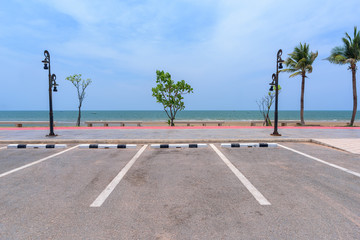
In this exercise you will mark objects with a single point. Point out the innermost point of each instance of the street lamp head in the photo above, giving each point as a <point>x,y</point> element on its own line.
<point>271,88</point>
<point>280,62</point>
<point>53,82</point>
<point>280,65</point>
<point>45,61</point>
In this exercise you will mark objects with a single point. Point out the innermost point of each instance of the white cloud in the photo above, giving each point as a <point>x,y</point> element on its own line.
<point>226,44</point>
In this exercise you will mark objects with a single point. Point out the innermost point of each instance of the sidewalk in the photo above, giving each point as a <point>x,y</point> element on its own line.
<point>351,145</point>
<point>347,139</point>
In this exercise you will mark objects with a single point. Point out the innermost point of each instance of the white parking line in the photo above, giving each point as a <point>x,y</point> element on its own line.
<point>3,147</point>
<point>322,161</point>
<point>36,162</point>
<point>257,195</point>
<point>112,185</point>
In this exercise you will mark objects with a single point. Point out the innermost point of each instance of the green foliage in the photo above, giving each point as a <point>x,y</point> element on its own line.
<point>300,61</point>
<point>81,85</point>
<point>170,94</point>
<point>349,52</point>
<point>274,89</point>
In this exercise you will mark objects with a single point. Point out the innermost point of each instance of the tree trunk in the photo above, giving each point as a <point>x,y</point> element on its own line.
<point>79,116</point>
<point>172,117</point>
<point>302,100</point>
<point>267,120</point>
<point>353,70</point>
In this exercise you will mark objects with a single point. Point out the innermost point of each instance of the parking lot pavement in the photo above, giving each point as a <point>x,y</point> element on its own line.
<point>14,158</point>
<point>178,194</point>
<point>310,200</point>
<point>51,200</point>
<point>331,155</point>
<point>2,146</point>
<point>182,194</point>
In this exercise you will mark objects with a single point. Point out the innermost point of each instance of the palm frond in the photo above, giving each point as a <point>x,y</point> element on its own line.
<point>337,55</point>
<point>290,70</point>
<point>309,68</point>
<point>349,52</point>
<point>300,60</point>
<point>295,74</point>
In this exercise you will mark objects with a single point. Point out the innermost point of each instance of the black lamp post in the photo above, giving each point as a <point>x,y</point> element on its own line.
<point>52,83</point>
<point>275,82</point>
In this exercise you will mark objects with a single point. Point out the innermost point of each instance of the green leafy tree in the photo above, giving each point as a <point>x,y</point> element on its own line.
<point>349,53</point>
<point>170,94</point>
<point>81,85</point>
<point>300,63</point>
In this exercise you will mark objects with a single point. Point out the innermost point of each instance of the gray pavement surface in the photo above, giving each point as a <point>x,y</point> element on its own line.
<point>345,138</point>
<point>12,158</point>
<point>196,134</point>
<point>180,194</point>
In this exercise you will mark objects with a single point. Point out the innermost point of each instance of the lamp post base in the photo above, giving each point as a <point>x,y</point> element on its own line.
<point>276,134</point>
<point>51,135</point>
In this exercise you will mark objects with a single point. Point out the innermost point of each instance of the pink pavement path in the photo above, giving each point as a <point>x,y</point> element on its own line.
<point>162,127</point>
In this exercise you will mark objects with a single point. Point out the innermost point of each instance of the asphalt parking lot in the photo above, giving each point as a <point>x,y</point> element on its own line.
<point>187,193</point>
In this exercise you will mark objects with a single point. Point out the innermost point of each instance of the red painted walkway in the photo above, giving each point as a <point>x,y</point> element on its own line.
<point>163,127</point>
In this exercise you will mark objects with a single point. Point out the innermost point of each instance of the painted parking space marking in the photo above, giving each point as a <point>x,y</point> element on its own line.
<point>112,185</point>
<point>36,162</point>
<point>322,161</point>
<point>256,194</point>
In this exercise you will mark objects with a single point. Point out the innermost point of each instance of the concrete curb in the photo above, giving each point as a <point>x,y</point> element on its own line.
<point>151,141</point>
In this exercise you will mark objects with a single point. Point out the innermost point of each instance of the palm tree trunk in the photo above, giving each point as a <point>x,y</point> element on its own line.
<point>302,100</point>
<point>353,70</point>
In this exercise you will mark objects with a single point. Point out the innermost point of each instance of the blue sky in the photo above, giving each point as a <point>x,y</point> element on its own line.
<point>226,50</point>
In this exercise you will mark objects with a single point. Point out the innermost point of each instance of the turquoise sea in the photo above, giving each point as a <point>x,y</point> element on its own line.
<point>70,117</point>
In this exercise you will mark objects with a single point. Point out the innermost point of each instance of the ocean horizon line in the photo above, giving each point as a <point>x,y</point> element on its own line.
<point>70,116</point>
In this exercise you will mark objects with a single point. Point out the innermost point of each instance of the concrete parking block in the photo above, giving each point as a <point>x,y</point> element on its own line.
<point>247,145</point>
<point>106,146</point>
<point>20,146</point>
<point>178,145</point>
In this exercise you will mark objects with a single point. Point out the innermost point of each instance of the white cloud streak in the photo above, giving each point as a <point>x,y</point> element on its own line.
<point>206,42</point>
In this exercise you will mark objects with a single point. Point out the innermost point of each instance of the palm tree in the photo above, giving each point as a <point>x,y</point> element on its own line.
<point>349,53</point>
<point>299,63</point>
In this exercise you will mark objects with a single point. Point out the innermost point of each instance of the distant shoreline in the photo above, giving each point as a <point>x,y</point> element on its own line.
<point>232,117</point>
